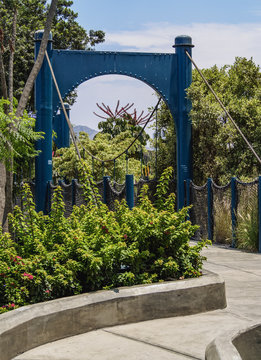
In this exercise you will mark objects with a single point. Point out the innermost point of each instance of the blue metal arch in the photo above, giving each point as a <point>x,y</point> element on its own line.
<point>168,74</point>
<point>57,102</point>
<point>72,68</point>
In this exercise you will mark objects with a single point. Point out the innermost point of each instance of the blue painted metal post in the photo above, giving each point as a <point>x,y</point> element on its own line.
<point>130,191</point>
<point>233,209</point>
<point>183,123</point>
<point>43,105</point>
<point>61,128</point>
<point>259,214</point>
<point>210,209</point>
<point>105,189</point>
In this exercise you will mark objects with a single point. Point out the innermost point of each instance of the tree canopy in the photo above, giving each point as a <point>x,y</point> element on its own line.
<point>218,149</point>
<point>102,147</point>
<point>31,15</point>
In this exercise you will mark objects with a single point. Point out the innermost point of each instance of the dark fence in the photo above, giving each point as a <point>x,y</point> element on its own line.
<point>219,210</point>
<point>73,193</point>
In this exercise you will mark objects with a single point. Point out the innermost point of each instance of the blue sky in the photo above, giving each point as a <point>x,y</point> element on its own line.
<point>220,30</point>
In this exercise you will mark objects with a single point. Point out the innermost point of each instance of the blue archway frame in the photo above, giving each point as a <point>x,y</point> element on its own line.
<point>169,74</point>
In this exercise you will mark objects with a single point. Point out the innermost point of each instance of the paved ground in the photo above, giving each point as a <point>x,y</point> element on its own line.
<point>177,338</point>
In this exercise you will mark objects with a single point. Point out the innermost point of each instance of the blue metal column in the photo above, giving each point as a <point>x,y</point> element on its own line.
<point>259,213</point>
<point>130,191</point>
<point>233,210</point>
<point>43,105</point>
<point>183,124</point>
<point>210,209</point>
<point>61,128</point>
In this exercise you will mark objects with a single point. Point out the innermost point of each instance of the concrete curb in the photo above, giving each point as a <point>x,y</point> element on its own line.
<point>35,325</point>
<point>238,344</point>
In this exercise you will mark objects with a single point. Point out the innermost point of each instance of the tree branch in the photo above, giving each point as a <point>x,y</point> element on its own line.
<point>11,62</point>
<point>2,69</point>
<point>38,63</point>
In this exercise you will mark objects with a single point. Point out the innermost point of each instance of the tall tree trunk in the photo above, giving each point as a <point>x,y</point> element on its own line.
<point>9,172</point>
<point>38,63</point>
<point>6,177</point>
<point>2,191</point>
<point>11,62</point>
<point>2,68</point>
<point>2,165</point>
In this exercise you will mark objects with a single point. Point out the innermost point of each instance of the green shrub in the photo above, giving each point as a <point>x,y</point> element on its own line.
<point>47,257</point>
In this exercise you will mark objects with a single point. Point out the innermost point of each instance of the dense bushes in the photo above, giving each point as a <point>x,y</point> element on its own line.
<point>47,257</point>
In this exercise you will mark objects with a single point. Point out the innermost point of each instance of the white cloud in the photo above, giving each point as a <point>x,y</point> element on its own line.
<point>214,43</point>
<point>109,89</point>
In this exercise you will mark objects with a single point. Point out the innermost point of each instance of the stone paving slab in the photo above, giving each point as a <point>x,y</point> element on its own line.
<point>173,338</point>
<point>100,344</point>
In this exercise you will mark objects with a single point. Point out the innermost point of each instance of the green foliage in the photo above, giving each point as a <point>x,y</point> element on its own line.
<point>222,221</point>
<point>247,232</point>
<point>166,140</point>
<point>67,34</point>
<point>102,147</point>
<point>52,256</point>
<point>219,151</point>
<point>17,138</point>
<point>116,126</point>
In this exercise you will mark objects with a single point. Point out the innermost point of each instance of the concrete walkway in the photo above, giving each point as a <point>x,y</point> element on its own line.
<point>176,338</point>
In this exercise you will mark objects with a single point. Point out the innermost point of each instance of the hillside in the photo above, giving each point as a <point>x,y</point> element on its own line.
<point>81,128</point>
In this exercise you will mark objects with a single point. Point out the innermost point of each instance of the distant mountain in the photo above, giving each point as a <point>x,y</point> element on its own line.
<point>81,128</point>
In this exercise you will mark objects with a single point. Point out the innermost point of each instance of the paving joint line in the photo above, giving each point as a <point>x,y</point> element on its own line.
<point>158,346</point>
<point>238,316</point>
<point>232,268</point>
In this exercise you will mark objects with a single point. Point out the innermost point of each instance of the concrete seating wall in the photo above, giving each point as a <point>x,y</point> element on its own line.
<point>31,326</point>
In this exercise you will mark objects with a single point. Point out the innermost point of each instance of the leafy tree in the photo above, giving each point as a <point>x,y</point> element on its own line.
<point>164,141</point>
<point>118,133</point>
<point>103,147</point>
<point>18,21</point>
<point>116,126</point>
<point>31,15</point>
<point>15,120</point>
<point>17,138</point>
<point>218,149</point>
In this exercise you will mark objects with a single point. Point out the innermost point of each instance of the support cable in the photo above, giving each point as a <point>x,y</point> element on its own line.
<point>127,162</point>
<point>156,158</point>
<point>225,110</point>
<point>134,140</point>
<point>72,131</point>
<point>69,124</point>
<point>63,107</point>
<point>141,157</point>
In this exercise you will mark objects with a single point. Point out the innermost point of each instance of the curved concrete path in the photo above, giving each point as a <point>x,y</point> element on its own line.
<point>177,338</point>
